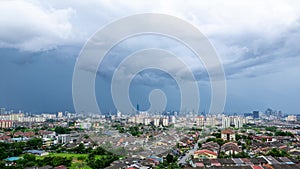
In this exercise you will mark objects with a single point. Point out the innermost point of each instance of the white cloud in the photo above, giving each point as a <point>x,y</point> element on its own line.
<point>28,26</point>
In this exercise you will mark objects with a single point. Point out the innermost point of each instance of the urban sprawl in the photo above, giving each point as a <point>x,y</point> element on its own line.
<point>142,140</point>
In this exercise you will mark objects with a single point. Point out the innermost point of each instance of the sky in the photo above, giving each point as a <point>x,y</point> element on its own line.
<point>257,43</point>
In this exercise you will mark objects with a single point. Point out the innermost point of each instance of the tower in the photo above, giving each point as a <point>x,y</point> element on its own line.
<point>137,108</point>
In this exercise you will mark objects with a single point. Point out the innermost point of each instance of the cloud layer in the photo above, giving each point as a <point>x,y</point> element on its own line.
<point>30,27</point>
<point>254,39</point>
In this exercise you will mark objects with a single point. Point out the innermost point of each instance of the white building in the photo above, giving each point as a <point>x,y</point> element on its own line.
<point>210,121</point>
<point>119,114</point>
<point>291,118</point>
<point>225,122</point>
<point>200,120</point>
<point>147,121</point>
<point>172,119</point>
<point>63,138</point>
<point>165,121</point>
<point>238,122</point>
<point>59,114</point>
<point>156,122</point>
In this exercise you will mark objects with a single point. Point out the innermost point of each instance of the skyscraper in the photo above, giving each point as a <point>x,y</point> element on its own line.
<point>225,122</point>
<point>238,122</point>
<point>2,111</point>
<point>256,114</point>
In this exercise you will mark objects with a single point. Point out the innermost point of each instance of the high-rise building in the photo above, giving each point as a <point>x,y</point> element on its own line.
<point>6,124</point>
<point>225,122</point>
<point>256,114</point>
<point>2,111</point>
<point>165,121</point>
<point>59,114</point>
<point>156,122</point>
<point>119,114</point>
<point>200,120</point>
<point>210,121</point>
<point>172,119</point>
<point>238,122</point>
<point>291,118</point>
<point>147,121</point>
<point>175,113</point>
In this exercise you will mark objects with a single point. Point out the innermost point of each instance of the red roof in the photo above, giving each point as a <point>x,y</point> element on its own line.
<point>227,131</point>
<point>256,167</point>
<point>205,151</point>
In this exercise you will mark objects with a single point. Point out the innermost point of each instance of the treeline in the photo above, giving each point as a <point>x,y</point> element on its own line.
<point>30,160</point>
<point>17,148</point>
<point>106,158</point>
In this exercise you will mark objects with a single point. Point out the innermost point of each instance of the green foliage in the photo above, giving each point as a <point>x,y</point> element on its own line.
<point>103,162</point>
<point>272,128</point>
<point>11,149</point>
<point>80,149</point>
<point>30,160</point>
<point>239,137</point>
<point>241,155</point>
<point>81,158</point>
<point>169,158</point>
<point>62,130</point>
<point>282,133</point>
<point>269,134</point>
<point>248,142</point>
<point>217,135</point>
<point>166,165</point>
<point>199,145</point>
<point>195,129</point>
<point>134,131</point>
<point>217,140</point>
<point>277,153</point>
<point>34,143</point>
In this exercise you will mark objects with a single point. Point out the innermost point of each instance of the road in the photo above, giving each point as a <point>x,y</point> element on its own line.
<point>188,154</point>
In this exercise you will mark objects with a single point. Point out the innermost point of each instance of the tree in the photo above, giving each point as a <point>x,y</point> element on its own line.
<point>35,143</point>
<point>80,149</point>
<point>199,145</point>
<point>86,136</point>
<point>29,157</point>
<point>61,130</point>
<point>241,155</point>
<point>272,128</point>
<point>277,153</point>
<point>169,158</point>
<point>238,137</point>
<point>217,135</point>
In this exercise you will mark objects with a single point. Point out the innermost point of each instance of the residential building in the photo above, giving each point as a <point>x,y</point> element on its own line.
<point>228,135</point>
<point>205,154</point>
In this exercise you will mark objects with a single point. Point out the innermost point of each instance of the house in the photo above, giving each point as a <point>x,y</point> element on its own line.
<point>230,148</point>
<point>212,146</point>
<point>263,138</point>
<point>228,135</point>
<point>37,152</point>
<point>205,154</point>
